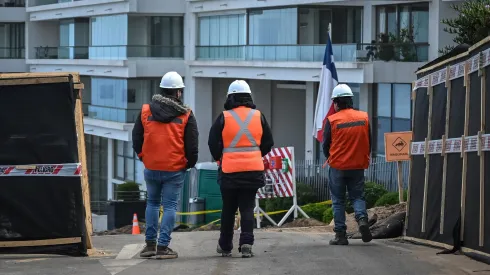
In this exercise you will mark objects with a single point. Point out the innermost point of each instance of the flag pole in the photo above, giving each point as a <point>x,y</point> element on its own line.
<point>330,30</point>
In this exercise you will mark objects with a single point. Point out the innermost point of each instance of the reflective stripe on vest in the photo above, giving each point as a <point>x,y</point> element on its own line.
<point>243,131</point>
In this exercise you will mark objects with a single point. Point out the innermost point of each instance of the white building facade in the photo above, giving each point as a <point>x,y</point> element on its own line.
<point>123,47</point>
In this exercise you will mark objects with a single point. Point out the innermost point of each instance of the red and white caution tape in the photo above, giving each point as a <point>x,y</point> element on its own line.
<point>475,63</point>
<point>50,170</point>
<point>453,145</point>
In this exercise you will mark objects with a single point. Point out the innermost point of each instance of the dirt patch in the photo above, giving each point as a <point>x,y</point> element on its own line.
<point>381,214</point>
<point>128,229</point>
<point>94,252</point>
<point>209,227</point>
<point>303,223</point>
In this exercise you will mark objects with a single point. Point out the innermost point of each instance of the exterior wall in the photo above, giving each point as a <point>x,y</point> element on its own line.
<point>41,34</point>
<point>13,66</point>
<point>12,14</point>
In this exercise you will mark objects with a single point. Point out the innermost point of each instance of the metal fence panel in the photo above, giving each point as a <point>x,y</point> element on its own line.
<point>381,172</point>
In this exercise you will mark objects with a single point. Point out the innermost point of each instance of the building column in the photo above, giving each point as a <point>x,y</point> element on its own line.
<point>199,96</point>
<point>309,117</point>
<point>190,25</point>
<point>110,168</point>
<point>438,38</point>
<point>368,23</point>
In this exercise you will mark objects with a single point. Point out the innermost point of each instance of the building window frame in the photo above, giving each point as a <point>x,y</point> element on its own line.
<point>375,118</point>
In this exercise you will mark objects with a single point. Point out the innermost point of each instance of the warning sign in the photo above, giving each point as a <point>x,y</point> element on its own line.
<point>397,145</point>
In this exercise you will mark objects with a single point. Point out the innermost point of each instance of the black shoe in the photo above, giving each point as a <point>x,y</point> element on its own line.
<point>246,251</point>
<point>364,230</point>
<point>149,250</point>
<point>224,253</point>
<point>340,239</point>
<point>164,252</point>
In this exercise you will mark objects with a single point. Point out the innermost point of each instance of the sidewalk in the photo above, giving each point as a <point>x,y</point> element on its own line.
<point>276,253</point>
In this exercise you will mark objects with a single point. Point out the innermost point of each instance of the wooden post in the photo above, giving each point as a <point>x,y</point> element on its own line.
<point>413,97</point>
<point>463,153</point>
<point>427,157</point>
<point>400,181</point>
<point>481,153</point>
<point>444,137</point>
<point>82,158</point>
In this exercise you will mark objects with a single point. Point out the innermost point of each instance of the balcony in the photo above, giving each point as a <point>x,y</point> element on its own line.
<point>12,3</point>
<point>315,53</point>
<point>112,114</point>
<point>12,53</point>
<point>109,52</point>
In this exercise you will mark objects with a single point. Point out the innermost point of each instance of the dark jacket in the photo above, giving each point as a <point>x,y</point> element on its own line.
<point>164,109</point>
<point>327,139</point>
<point>251,179</point>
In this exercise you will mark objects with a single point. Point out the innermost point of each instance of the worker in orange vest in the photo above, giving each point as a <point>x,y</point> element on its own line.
<point>238,140</point>
<point>165,138</point>
<point>347,146</point>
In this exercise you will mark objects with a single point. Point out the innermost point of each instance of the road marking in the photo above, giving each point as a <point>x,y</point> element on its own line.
<point>129,251</point>
<point>116,266</point>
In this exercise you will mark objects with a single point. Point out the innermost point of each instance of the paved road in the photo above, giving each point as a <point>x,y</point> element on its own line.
<point>276,253</point>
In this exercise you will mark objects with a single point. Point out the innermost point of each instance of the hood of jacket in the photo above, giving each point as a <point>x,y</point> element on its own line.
<point>165,109</point>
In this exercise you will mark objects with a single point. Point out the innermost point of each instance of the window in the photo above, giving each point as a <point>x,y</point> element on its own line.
<point>127,165</point>
<point>273,27</point>
<point>224,30</point>
<point>108,37</point>
<point>97,170</point>
<point>394,18</point>
<point>393,109</point>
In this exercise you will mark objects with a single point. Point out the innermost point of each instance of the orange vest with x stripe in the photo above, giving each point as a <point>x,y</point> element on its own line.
<point>241,135</point>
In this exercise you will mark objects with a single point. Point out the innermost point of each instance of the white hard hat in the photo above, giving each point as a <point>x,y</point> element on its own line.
<point>172,80</point>
<point>342,90</point>
<point>239,87</point>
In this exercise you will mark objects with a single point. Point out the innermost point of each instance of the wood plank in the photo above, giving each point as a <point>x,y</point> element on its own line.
<point>82,158</point>
<point>467,84</point>
<point>41,242</point>
<point>33,81</point>
<point>76,75</point>
<point>427,157</point>
<point>442,63</point>
<point>482,155</point>
<point>413,98</point>
<point>444,137</point>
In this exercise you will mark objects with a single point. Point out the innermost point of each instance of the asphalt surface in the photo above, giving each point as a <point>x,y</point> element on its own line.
<point>276,253</point>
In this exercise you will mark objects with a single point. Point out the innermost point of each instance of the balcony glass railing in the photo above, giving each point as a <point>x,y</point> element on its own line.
<point>315,53</point>
<point>113,114</point>
<point>12,53</point>
<point>12,3</point>
<point>109,52</point>
<point>48,2</point>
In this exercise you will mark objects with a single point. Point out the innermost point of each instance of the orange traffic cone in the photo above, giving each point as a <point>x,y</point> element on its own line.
<point>136,226</point>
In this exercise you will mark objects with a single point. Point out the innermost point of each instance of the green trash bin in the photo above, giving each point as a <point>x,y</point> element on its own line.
<point>208,188</point>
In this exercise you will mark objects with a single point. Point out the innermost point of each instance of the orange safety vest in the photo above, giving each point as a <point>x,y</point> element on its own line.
<point>349,149</point>
<point>241,135</point>
<point>163,144</point>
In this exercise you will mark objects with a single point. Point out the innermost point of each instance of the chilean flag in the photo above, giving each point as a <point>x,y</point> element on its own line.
<point>328,81</point>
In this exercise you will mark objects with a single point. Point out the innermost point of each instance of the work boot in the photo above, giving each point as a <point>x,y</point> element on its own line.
<point>364,230</point>
<point>149,250</point>
<point>246,251</point>
<point>164,252</point>
<point>340,239</point>
<point>224,253</point>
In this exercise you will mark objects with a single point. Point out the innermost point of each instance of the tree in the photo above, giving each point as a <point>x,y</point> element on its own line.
<point>471,25</point>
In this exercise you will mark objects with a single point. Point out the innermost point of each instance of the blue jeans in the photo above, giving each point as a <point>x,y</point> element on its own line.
<point>163,188</point>
<point>338,181</point>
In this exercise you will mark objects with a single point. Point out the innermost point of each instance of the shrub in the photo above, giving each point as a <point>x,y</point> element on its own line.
<point>328,215</point>
<point>372,192</point>
<point>315,210</point>
<point>390,198</point>
<point>305,193</point>
<point>128,191</point>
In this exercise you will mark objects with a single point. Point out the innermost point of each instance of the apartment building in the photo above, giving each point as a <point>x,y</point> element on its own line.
<point>123,47</point>
<point>12,36</point>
